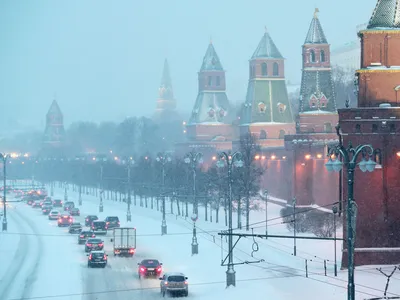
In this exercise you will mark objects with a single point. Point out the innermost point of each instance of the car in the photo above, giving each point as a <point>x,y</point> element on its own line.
<point>112,222</point>
<point>84,235</point>
<point>75,227</point>
<point>149,268</point>
<point>89,219</point>
<point>36,204</point>
<point>47,202</point>
<point>68,205</point>
<point>54,215</point>
<point>75,211</point>
<point>97,258</point>
<point>94,244</point>
<point>46,209</point>
<point>174,283</point>
<point>64,220</point>
<point>57,203</point>
<point>99,227</point>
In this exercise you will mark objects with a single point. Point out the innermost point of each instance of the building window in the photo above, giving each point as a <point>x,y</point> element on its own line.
<point>217,81</point>
<point>275,70</point>
<point>322,56</point>
<point>263,135</point>
<point>312,56</point>
<point>374,128</point>
<point>264,69</point>
<point>328,127</point>
<point>378,156</point>
<point>281,134</point>
<point>209,80</point>
<point>358,128</point>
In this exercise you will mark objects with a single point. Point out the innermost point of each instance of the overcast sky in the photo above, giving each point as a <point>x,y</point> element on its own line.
<point>104,59</point>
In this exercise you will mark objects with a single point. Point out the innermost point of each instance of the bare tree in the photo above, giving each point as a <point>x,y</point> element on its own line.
<point>343,82</point>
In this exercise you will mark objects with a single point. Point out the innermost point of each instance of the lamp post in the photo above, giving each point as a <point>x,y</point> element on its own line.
<point>294,226</point>
<point>131,162</point>
<point>101,207</point>
<point>163,159</point>
<point>349,157</point>
<point>194,158</point>
<point>195,244</point>
<point>52,188</point>
<point>231,160</point>
<point>65,191</point>
<point>3,157</point>
<point>335,211</point>
<point>266,214</point>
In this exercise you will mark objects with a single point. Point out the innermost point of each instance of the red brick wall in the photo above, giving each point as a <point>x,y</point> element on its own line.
<point>380,47</point>
<point>317,49</point>
<point>270,63</point>
<point>203,81</point>
<point>316,123</point>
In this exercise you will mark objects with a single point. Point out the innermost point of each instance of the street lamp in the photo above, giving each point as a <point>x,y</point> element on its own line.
<point>194,158</point>
<point>294,226</point>
<point>65,191</point>
<point>163,159</point>
<point>131,162</point>
<point>230,160</point>
<point>335,211</point>
<point>266,214</point>
<point>349,157</point>
<point>101,207</point>
<point>4,157</point>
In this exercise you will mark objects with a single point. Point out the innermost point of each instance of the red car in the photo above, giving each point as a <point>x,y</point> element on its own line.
<point>149,268</point>
<point>64,220</point>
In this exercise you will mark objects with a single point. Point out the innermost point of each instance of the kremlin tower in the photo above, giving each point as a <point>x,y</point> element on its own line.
<point>54,134</point>
<point>267,112</point>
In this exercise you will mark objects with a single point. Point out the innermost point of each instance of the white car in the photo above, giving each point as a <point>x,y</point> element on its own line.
<point>54,214</point>
<point>174,283</point>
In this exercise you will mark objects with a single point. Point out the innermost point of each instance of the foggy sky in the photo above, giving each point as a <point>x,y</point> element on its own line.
<point>104,59</point>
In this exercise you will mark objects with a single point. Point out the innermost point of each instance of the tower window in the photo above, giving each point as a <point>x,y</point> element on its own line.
<point>322,55</point>
<point>264,69</point>
<point>263,135</point>
<point>252,71</point>
<point>378,156</point>
<point>358,128</point>
<point>392,128</point>
<point>374,128</point>
<point>275,70</point>
<point>312,56</point>
<point>217,81</point>
<point>209,81</point>
<point>281,134</point>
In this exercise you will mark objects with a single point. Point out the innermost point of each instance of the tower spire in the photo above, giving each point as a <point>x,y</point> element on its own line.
<point>386,14</point>
<point>266,48</point>
<point>315,33</point>
<point>166,101</point>
<point>316,13</point>
<point>211,60</point>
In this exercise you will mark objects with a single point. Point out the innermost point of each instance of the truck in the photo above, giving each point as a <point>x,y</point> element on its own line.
<point>124,241</point>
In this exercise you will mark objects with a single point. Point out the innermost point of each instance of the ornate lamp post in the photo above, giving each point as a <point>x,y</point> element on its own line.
<point>195,244</point>
<point>335,211</point>
<point>349,157</point>
<point>130,162</point>
<point>4,157</point>
<point>230,160</point>
<point>65,191</point>
<point>163,159</point>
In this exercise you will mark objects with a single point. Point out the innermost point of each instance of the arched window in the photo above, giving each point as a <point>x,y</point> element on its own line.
<point>263,135</point>
<point>281,134</point>
<point>312,56</point>
<point>322,56</point>
<point>374,128</point>
<point>378,156</point>
<point>264,69</point>
<point>275,69</point>
<point>358,128</point>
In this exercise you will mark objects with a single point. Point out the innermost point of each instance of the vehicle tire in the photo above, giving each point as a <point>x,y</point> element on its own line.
<point>186,294</point>
<point>88,265</point>
<point>163,293</point>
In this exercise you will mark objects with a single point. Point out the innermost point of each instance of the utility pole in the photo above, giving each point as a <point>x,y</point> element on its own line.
<point>128,210</point>
<point>4,223</point>
<point>101,207</point>
<point>266,213</point>
<point>230,159</point>
<point>335,211</point>
<point>294,227</point>
<point>65,191</point>
<point>163,158</point>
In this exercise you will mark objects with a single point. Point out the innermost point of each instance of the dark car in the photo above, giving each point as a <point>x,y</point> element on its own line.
<point>46,209</point>
<point>57,203</point>
<point>94,244</point>
<point>97,258</point>
<point>47,202</point>
<point>64,220</point>
<point>36,204</point>
<point>84,235</point>
<point>99,227</point>
<point>89,219</point>
<point>75,211</point>
<point>149,268</point>
<point>75,228</point>
<point>112,222</point>
<point>68,205</point>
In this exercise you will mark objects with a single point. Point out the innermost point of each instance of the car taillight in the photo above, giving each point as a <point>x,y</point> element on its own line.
<point>186,282</point>
<point>82,236</point>
<point>131,250</point>
<point>101,245</point>
<point>108,223</point>
<point>159,269</point>
<point>142,269</point>
<point>93,235</point>
<point>89,245</point>
<point>70,220</point>
<point>105,257</point>
<point>118,223</point>
<point>90,257</point>
<point>59,220</point>
<point>87,220</point>
<point>166,282</point>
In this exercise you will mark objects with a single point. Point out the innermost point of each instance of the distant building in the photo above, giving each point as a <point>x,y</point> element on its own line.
<point>348,56</point>
<point>54,134</point>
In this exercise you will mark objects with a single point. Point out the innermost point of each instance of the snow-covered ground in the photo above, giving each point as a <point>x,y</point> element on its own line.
<point>55,265</point>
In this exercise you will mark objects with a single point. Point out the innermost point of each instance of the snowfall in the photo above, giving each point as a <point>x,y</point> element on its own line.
<point>38,260</point>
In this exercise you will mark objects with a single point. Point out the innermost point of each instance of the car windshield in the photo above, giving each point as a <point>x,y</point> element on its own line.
<point>97,254</point>
<point>99,224</point>
<point>150,263</point>
<point>94,241</point>
<point>75,225</point>
<point>176,278</point>
<point>112,219</point>
<point>57,201</point>
<point>75,209</point>
<point>54,212</point>
<point>87,233</point>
